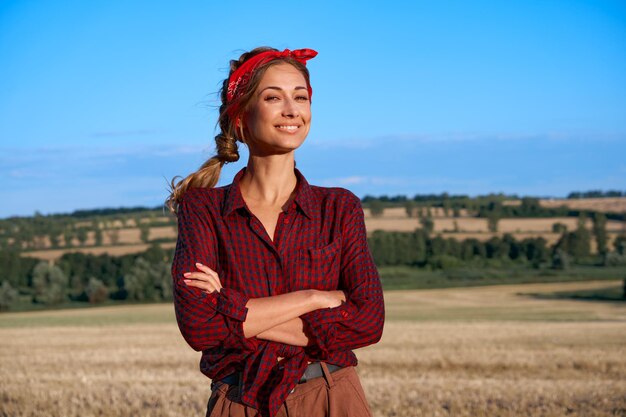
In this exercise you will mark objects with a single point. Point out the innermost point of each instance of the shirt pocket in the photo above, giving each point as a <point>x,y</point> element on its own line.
<point>319,268</point>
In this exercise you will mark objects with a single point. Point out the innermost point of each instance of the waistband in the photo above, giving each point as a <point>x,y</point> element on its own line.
<point>314,370</point>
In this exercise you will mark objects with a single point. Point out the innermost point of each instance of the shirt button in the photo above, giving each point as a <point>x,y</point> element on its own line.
<point>213,301</point>
<point>344,314</point>
<point>286,221</point>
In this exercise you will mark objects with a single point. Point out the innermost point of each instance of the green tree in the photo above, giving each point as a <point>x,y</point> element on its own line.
<point>96,291</point>
<point>427,224</point>
<point>418,247</point>
<point>11,263</point>
<point>560,260</point>
<point>144,232</point>
<point>68,236</point>
<point>576,244</point>
<point>148,281</point>
<point>492,221</point>
<point>620,244</point>
<point>536,251</point>
<point>8,295</point>
<point>376,208</point>
<point>81,235</point>
<point>599,231</point>
<point>409,207</point>
<point>49,284</point>
<point>446,204</point>
<point>559,228</point>
<point>530,207</point>
<point>98,236</point>
<point>54,240</point>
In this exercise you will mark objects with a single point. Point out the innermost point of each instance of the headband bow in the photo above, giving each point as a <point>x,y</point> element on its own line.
<point>240,77</point>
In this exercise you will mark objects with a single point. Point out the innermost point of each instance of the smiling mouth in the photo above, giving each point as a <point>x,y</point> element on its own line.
<point>287,128</point>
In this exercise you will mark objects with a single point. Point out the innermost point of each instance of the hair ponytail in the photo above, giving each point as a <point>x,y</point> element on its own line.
<point>207,175</point>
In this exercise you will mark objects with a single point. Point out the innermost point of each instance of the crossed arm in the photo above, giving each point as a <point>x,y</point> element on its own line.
<point>275,318</point>
<point>210,316</point>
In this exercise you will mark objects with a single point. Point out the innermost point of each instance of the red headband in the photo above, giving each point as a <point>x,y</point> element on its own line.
<point>240,77</point>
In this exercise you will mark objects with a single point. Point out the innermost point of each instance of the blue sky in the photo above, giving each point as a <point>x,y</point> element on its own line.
<point>101,102</point>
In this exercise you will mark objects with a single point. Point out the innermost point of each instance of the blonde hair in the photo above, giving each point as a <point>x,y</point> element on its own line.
<point>226,140</point>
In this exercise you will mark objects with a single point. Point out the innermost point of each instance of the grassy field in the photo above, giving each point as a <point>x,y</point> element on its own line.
<point>481,351</point>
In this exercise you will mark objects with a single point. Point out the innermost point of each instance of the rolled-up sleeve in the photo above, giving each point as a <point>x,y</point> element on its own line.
<point>359,321</point>
<point>205,320</point>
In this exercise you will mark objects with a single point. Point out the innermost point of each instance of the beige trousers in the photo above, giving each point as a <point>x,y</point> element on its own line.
<point>339,394</point>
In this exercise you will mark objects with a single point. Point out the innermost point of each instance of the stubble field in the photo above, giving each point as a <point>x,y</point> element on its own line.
<point>483,351</point>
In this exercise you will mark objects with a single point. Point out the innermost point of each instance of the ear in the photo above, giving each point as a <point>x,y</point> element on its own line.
<point>239,128</point>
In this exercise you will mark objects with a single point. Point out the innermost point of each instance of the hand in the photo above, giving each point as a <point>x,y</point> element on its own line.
<point>331,299</point>
<point>206,280</point>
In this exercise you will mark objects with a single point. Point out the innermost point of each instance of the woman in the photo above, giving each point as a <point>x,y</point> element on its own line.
<point>273,278</point>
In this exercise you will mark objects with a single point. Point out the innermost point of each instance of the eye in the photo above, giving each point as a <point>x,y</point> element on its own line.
<point>302,98</point>
<point>271,98</point>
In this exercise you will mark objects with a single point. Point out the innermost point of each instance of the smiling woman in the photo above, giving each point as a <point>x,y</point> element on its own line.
<point>280,113</point>
<point>273,278</point>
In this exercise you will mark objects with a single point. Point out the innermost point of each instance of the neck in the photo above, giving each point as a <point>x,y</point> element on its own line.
<point>269,180</point>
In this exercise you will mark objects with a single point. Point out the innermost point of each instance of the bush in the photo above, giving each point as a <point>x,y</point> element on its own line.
<point>614,259</point>
<point>49,284</point>
<point>444,262</point>
<point>8,296</point>
<point>560,260</point>
<point>96,291</point>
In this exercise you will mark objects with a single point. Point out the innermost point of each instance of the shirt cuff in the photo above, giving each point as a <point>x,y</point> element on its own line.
<point>320,327</point>
<point>232,305</point>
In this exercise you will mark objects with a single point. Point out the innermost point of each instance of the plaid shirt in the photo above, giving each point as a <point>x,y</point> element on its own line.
<point>320,242</point>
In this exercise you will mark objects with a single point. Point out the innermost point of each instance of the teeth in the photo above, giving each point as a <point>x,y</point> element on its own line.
<point>288,127</point>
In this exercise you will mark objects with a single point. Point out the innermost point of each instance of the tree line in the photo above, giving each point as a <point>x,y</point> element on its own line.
<point>84,277</point>
<point>596,194</point>
<point>73,230</point>
<point>421,249</point>
<point>146,276</point>
<point>56,232</point>
<point>490,208</point>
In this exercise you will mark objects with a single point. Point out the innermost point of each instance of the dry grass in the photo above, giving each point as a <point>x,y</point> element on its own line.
<point>53,254</point>
<point>455,352</point>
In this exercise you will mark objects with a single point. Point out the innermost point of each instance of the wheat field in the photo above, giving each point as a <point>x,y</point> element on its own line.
<point>482,351</point>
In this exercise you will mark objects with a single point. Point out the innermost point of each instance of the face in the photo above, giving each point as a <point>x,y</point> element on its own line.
<point>278,117</point>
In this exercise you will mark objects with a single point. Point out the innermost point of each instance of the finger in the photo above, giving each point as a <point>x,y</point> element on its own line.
<point>206,269</point>
<point>206,286</point>
<point>209,271</point>
<point>201,276</point>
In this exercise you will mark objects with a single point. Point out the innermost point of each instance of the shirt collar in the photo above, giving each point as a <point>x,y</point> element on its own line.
<point>305,198</point>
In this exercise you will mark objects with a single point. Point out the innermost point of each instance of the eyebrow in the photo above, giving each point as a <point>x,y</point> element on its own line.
<point>271,87</point>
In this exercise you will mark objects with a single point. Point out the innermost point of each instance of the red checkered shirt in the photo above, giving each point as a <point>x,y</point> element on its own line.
<point>319,243</point>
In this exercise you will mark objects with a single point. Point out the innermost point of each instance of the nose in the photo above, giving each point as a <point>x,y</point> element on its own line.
<point>290,108</point>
